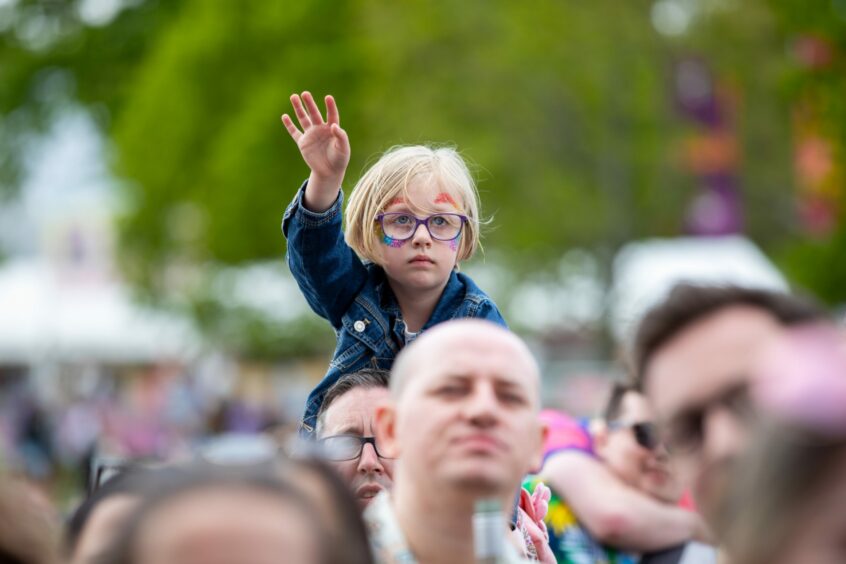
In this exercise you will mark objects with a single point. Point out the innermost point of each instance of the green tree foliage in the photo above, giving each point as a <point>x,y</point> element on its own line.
<point>568,127</point>
<point>51,57</point>
<point>564,107</point>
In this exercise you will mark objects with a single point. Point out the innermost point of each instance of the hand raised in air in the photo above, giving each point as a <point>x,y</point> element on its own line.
<point>324,146</point>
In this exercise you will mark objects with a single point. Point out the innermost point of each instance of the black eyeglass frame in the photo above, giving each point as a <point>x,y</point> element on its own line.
<point>685,433</point>
<point>645,432</point>
<point>361,442</point>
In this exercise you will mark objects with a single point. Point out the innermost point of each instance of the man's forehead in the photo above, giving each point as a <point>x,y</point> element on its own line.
<point>635,408</point>
<point>708,357</point>
<point>354,408</point>
<point>500,367</point>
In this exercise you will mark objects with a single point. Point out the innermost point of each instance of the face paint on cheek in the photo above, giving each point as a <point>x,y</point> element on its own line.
<point>391,242</point>
<point>453,245</point>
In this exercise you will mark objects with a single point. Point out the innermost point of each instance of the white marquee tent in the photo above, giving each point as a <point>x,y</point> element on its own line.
<point>49,315</point>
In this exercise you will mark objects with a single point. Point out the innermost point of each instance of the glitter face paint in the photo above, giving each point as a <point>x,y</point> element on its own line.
<point>444,198</point>
<point>453,245</point>
<point>391,242</point>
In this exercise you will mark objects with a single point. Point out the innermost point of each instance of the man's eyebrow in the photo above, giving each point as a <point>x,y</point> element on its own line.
<point>456,376</point>
<point>503,383</point>
<point>510,386</point>
<point>348,429</point>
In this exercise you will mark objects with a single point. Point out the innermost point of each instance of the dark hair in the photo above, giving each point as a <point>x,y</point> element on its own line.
<point>205,477</point>
<point>784,469</point>
<point>366,378</point>
<point>351,545</point>
<point>135,481</point>
<point>614,406</point>
<point>690,303</point>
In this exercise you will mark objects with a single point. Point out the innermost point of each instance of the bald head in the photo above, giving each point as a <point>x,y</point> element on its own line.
<point>464,411</point>
<point>438,347</point>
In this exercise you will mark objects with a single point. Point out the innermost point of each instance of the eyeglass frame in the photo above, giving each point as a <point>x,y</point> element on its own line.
<point>418,222</point>
<point>362,440</point>
<point>735,399</point>
<point>645,432</point>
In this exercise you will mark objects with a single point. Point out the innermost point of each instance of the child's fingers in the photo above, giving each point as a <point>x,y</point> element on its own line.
<point>332,111</point>
<point>313,110</point>
<point>305,122</point>
<point>292,129</point>
<point>340,135</point>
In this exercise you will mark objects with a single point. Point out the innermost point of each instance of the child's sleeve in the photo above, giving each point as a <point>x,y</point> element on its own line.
<point>487,310</point>
<point>326,269</point>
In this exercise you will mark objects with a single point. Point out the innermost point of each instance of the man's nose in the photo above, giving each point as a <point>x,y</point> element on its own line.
<point>724,435</point>
<point>482,405</point>
<point>369,462</point>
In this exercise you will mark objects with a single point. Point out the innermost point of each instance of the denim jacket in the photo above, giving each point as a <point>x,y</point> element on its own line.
<point>356,299</point>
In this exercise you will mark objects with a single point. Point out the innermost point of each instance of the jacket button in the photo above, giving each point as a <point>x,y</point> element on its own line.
<point>359,326</point>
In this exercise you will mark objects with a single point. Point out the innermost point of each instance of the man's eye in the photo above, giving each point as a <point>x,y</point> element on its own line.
<point>515,399</point>
<point>450,391</point>
<point>685,433</point>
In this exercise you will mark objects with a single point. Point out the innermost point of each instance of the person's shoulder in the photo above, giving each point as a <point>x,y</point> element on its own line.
<point>475,302</point>
<point>472,291</point>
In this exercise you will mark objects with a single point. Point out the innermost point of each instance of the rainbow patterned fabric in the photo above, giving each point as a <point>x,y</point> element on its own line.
<point>565,433</point>
<point>570,542</point>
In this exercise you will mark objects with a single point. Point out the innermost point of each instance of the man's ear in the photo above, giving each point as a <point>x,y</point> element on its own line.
<point>385,429</point>
<point>537,457</point>
<point>599,432</point>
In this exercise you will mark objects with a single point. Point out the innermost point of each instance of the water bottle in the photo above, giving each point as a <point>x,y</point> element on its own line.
<point>489,531</point>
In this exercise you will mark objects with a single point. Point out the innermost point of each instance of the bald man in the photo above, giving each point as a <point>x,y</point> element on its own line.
<point>462,423</point>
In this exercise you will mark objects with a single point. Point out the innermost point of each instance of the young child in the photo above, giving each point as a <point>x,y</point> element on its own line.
<point>410,220</point>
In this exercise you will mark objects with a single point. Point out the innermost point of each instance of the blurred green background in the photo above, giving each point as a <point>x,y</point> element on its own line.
<point>569,111</point>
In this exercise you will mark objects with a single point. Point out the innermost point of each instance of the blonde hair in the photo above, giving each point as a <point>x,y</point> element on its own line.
<point>390,178</point>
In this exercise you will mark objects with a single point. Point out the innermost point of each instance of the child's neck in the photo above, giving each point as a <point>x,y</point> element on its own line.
<point>416,305</point>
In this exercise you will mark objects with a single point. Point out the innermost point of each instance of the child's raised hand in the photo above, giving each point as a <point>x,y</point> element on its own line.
<point>324,146</point>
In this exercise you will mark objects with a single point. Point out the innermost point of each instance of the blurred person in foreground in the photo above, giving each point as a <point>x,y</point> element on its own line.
<point>345,432</point>
<point>463,426</point>
<point>227,515</point>
<point>694,356</point>
<point>29,528</point>
<point>614,493</point>
<point>789,498</point>
<point>95,522</point>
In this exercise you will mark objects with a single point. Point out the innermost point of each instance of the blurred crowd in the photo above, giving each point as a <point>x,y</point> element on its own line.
<point>155,412</point>
<point>727,444</point>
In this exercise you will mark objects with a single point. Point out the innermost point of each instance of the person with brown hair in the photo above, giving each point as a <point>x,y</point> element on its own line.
<point>614,493</point>
<point>788,496</point>
<point>693,355</point>
<point>239,515</point>
<point>345,433</point>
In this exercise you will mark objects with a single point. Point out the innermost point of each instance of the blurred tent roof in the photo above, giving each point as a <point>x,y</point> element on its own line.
<point>645,272</point>
<point>48,314</point>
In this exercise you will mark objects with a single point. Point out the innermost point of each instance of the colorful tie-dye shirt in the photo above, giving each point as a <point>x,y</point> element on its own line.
<point>570,541</point>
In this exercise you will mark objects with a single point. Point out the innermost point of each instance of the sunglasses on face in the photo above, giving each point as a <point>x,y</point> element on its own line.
<point>645,433</point>
<point>338,448</point>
